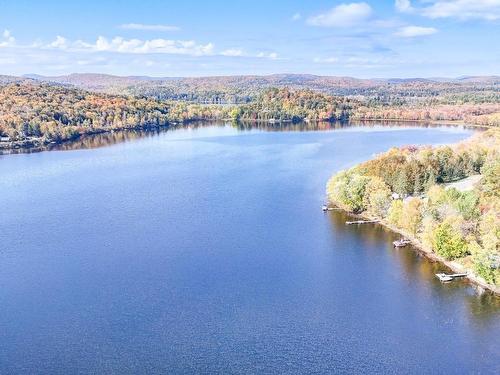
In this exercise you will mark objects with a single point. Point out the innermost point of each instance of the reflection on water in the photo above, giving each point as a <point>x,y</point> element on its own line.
<point>203,249</point>
<point>119,136</point>
<point>482,305</point>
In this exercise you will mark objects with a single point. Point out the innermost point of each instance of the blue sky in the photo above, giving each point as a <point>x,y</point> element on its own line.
<point>402,38</point>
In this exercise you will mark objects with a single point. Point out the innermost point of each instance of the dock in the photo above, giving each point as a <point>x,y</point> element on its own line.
<point>401,243</point>
<point>361,222</point>
<point>327,208</point>
<point>449,277</point>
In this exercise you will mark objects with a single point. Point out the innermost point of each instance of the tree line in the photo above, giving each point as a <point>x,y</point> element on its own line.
<point>406,187</point>
<point>55,112</point>
<point>290,105</point>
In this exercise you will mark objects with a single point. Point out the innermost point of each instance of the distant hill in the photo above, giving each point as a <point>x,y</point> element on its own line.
<point>90,81</point>
<point>11,79</point>
<point>103,80</point>
<point>246,88</point>
<point>480,79</point>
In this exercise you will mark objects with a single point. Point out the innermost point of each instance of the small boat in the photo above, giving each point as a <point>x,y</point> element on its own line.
<point>401,242</point>
<point>449,277</point>
<point>326,208</point>
<point>444,277</point>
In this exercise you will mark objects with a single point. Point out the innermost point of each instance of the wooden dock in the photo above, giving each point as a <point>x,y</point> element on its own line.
<point>401,243</point>
<point>449,277</point>
<point>328,208</point>
<point>361,222</point>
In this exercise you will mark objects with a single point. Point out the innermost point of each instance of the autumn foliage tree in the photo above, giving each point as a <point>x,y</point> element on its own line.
<point>457,225</point>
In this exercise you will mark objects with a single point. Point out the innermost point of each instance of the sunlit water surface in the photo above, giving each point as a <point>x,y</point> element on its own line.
<point>204,250</point>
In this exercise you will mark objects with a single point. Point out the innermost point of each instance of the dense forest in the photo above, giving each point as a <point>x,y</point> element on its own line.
<point>243,89</point>
<point>406,188</point>
<point>56,113</point>
<point>294,106</point>
<point>52,109</point>
<point>487,114</point>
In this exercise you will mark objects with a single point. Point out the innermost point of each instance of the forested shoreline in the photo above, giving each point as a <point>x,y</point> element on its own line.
<point>408,190</point>
<point>462,226</point>
<point>38,112</point>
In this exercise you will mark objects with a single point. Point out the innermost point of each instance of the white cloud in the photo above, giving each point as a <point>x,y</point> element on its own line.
<point>403,6</point>
<point>296,17</point>
<point>464,9</point>
<point>327,60</point>
<point>59,42</point>
<point>460,9</point>
<point>144,27</point>
<point>7,40</point>
<point>236,52</point>
<point>122,45</point>
<point>268,55</point>
<point>233,52</point>
<point>343,15</point>
<point>414,31</point>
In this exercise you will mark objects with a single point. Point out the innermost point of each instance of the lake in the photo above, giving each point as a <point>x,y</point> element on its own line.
<point>204,249</point>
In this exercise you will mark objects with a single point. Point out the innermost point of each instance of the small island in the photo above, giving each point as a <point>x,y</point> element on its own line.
<point>446,200</point>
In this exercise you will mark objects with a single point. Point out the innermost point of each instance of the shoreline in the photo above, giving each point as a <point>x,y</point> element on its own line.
<point>432,122</point>
<point>39,145</point>
<point>34,144</point>
<point>428,253</point>
<point>418,246</point>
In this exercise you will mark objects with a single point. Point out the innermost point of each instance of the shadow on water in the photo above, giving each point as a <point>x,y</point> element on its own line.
<point>418,270</point>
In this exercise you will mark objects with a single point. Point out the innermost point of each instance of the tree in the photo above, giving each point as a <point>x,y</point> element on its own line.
<point>400,185</point>
<point>347,189</point>
<point>411,215</point>
<point>436,196</point>
<point>485,264</point>
<point>235,114</point>
<point>426,236</point>
<point>490,182</point>
<point>489,230</point>
<point>448,240</point>
<point>430,180</point>
<point>377,198</point>
<point>395,213</point>
<point>467,203</point>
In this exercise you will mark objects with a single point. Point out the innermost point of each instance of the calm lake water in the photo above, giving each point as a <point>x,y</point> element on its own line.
<point>205,250</point>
